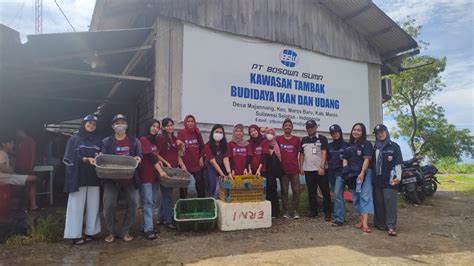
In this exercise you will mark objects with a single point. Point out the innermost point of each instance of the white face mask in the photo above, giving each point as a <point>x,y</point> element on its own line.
<point>218,136</point>
<point>120,128</point>
<point>270,137</point>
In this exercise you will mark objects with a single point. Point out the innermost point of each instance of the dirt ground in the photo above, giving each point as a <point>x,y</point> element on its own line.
<point>441,231</point>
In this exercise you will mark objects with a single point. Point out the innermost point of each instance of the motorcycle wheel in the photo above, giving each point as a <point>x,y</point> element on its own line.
<point>431,188</point>
<point>412,197</point>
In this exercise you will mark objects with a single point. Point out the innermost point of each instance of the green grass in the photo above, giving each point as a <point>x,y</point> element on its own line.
<point>48,229</point>
<point>450,165</point>
<point>458,183</point>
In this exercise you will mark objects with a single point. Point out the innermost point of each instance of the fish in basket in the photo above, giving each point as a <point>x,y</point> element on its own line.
<point>175,178</point>
<point>115,166</point>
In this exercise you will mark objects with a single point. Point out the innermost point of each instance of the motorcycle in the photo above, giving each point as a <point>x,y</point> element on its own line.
<point>431,181</point>
<point>413,181</point>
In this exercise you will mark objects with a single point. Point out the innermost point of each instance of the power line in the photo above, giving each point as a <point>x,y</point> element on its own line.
<point>62,12</point>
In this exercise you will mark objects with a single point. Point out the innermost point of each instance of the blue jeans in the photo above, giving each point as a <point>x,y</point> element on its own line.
<point>363,201</point>
<point>213,181</point>
<point>148,197</point>
<point>165,213</point>
<point>339,207</point>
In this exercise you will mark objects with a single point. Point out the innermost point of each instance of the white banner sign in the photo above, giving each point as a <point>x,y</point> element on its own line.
<point>229,79</point>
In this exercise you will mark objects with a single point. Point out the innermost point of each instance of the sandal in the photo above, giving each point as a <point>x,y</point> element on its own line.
<point>127,238</point>
<point>78,241</point>
<point>110,238</point>
<point>358,225</point>
<point>392,232</point>
<point>89,238</point>
<point>366,230</point>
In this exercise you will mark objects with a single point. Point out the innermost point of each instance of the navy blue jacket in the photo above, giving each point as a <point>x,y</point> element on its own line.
<point>78,147</point>
<point>135,150</point>
<point>355,155</point>
<point>335,157</point>
<point>391,156</point>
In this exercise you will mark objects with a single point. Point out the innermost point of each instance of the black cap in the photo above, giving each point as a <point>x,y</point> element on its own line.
<point>311,123</point>
<point>335,128</point>
<point>118,117</point>
<point>90,118</point>
<point>380,127</point>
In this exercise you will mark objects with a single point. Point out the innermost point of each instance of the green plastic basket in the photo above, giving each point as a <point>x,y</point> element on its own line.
<point>195,214</point>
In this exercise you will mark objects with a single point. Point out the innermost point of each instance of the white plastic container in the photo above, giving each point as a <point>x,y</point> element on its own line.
<point>241,216</point>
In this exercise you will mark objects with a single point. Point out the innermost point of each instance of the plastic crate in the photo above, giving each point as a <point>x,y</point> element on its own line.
<point>248,188</point>
<point>195,214</point>
<point>115,166</point>
<point>176,178</point>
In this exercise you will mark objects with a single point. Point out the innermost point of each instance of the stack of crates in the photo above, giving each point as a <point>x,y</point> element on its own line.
<point>242,204</point>
<point>243,188</point>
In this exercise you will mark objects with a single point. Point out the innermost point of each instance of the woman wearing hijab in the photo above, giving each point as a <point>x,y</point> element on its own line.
<point>193,156</point>
<point>387,169</point>
<point>217,162</point>
<point>82,183</point>
<point>150,171</point>
<point>274,170</point>
<point>358,175</point>
<point>239,152</point>
<point>259,151</point>
<point>335,151</point>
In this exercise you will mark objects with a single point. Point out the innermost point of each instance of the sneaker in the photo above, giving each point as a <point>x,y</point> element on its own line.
<point>287,215</point>
<point>296,216</point>
<point>337,224</point>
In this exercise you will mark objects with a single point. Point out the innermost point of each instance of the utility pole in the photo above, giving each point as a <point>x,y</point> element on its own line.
<point>38,16</point>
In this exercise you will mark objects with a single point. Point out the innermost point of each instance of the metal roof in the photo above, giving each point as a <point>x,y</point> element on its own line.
<point>48,79</point>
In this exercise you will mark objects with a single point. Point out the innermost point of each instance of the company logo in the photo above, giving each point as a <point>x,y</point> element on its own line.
<point>289,58</point>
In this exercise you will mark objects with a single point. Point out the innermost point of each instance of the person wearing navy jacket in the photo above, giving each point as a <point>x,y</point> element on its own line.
<point>82,183</point>
<point>121,144</point>
<point>387,169</point>
<point>335,151</point>
<point>358,175</point>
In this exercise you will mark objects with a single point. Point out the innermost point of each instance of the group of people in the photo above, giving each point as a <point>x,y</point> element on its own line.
<point>371,173</point>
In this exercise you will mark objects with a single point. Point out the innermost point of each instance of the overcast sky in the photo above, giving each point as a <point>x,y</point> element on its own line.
<point>448,26</point>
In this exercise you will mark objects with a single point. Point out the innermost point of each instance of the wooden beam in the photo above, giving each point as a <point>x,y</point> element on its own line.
<point>92,73</point>
<point>358,12</point>
<point>92,53</point>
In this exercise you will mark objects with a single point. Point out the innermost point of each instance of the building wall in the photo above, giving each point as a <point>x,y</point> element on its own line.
<point>302,23</point>
<point>169,69</point>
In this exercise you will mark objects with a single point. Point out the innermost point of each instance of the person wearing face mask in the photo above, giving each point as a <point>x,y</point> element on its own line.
<point>150,171</point>
<point>259,151</point>
<point>121,144</point>
<point>358,175</point>
<point>289,147</point>
<point>82,183</point>
<point>239,152</point>
<point>193,156</point>
<point>334,154</point>
<point>274,170</point>
<point>217,163</point>
<point>387,169</point>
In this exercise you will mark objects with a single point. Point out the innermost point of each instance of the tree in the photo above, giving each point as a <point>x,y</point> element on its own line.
<point>417,116</point>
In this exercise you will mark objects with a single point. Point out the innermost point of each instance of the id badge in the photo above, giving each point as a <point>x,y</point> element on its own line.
<point>315,150</point>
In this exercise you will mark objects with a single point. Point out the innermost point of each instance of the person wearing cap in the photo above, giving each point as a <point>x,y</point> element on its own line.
<point>358,174</point>
<point>82,183</point>
<point>334,154</point>
<point>313,166</point>
<point>387,169</point>
<point>289,148</point>
<point>121,144</point>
